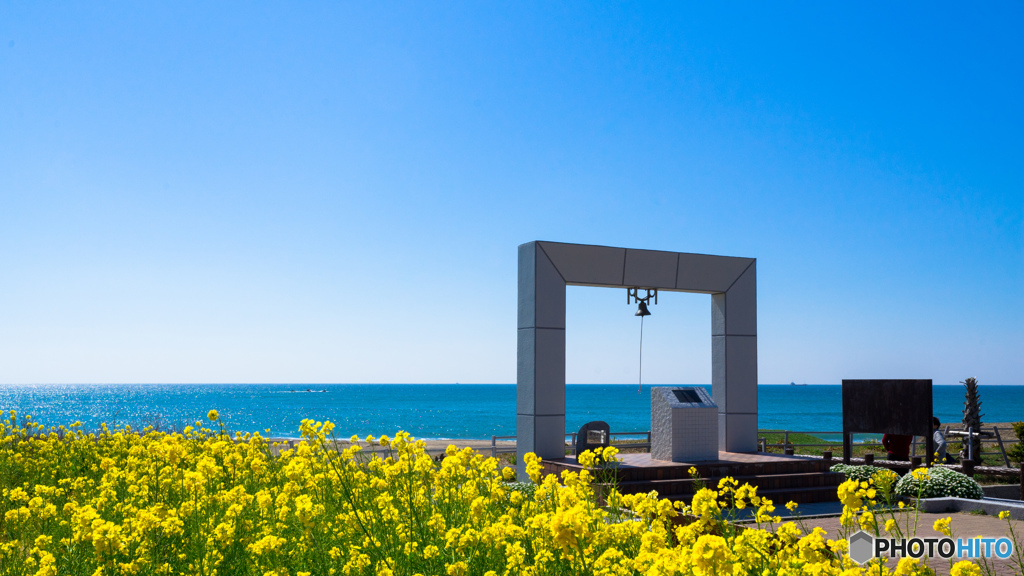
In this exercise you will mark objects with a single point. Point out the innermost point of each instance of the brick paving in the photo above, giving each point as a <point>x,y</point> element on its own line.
<point>964,525</point>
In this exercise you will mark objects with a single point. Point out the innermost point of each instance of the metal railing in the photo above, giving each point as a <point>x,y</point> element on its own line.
<point>991,437</point>
<point>495,450</point>
<point>571,437</point>
<point>763,444</point>
<point>987,435</point>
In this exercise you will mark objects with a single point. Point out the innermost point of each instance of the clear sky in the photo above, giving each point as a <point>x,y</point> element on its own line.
<point>335,191</point>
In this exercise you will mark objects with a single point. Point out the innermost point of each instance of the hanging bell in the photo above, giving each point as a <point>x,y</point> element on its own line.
<point>642,310</point>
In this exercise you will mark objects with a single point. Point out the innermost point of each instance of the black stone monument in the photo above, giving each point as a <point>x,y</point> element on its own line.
<point>592,435</point>
<point>887,407</point>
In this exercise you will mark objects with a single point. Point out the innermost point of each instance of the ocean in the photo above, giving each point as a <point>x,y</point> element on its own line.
<point>432,411</point>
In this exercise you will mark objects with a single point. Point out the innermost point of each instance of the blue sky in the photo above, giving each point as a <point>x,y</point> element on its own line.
<point>334,192</point>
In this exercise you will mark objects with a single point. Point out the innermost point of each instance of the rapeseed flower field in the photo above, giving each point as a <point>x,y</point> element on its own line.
<point>204,502</point>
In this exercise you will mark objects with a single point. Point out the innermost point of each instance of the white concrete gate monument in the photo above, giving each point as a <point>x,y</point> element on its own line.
<point>546,268</point>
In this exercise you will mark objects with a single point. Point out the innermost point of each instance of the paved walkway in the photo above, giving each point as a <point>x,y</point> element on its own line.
<point>964,525</point>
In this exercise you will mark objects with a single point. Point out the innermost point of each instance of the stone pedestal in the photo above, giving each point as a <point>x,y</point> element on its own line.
<point>684,425</point>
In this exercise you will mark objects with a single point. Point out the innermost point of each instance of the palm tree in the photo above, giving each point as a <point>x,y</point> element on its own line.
<point>972,419</point>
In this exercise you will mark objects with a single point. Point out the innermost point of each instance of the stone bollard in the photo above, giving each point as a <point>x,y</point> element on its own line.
<point>869,459</point>
<point>915,462</point>
<point>826,455</point>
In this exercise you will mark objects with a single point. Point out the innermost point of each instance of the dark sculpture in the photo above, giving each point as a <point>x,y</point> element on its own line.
<point>592,435</point>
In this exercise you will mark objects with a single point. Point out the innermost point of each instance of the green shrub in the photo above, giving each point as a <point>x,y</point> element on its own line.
<point>1017,450</point>
<point>941,483</point>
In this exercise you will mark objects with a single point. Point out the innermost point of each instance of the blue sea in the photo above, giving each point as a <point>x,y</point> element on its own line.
<point>464,411</point>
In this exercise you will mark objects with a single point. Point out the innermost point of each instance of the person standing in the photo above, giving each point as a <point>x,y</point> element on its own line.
<point>939,439</point>
<point>897,446</point>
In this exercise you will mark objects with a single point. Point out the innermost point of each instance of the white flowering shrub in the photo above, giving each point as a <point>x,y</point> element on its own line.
<point>940,483</point>
<point>861,473</point>
<point>527,489</point>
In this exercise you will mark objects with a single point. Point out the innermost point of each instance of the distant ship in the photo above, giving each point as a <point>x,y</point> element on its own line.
<point>795,384</point>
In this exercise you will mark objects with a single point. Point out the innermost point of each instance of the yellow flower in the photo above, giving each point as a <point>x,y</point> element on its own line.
<point>705,504</point>
<point>942,526</point>
<point>47,565</point>
<point>850,495</point>
<point>212,415</point>
<point>727,484</point>
<point>867,521</point>
<point>1004,514</point>
<point>791,505</point>
<point>907,567</point>
<point>587,459</point>
<point>280,509</point>
<point>965,568</point>
<point>609,453</point>
<point>885,477</point>
<point>711,555</point>
<point>533,466</point>
<point>459,568</point>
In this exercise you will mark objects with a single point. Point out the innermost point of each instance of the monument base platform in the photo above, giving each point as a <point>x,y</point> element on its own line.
<point>778,477</point>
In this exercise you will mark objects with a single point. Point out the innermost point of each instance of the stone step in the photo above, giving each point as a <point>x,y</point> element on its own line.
<point>713,471</point>
<point>764,482</point>
<point>630,473</point>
